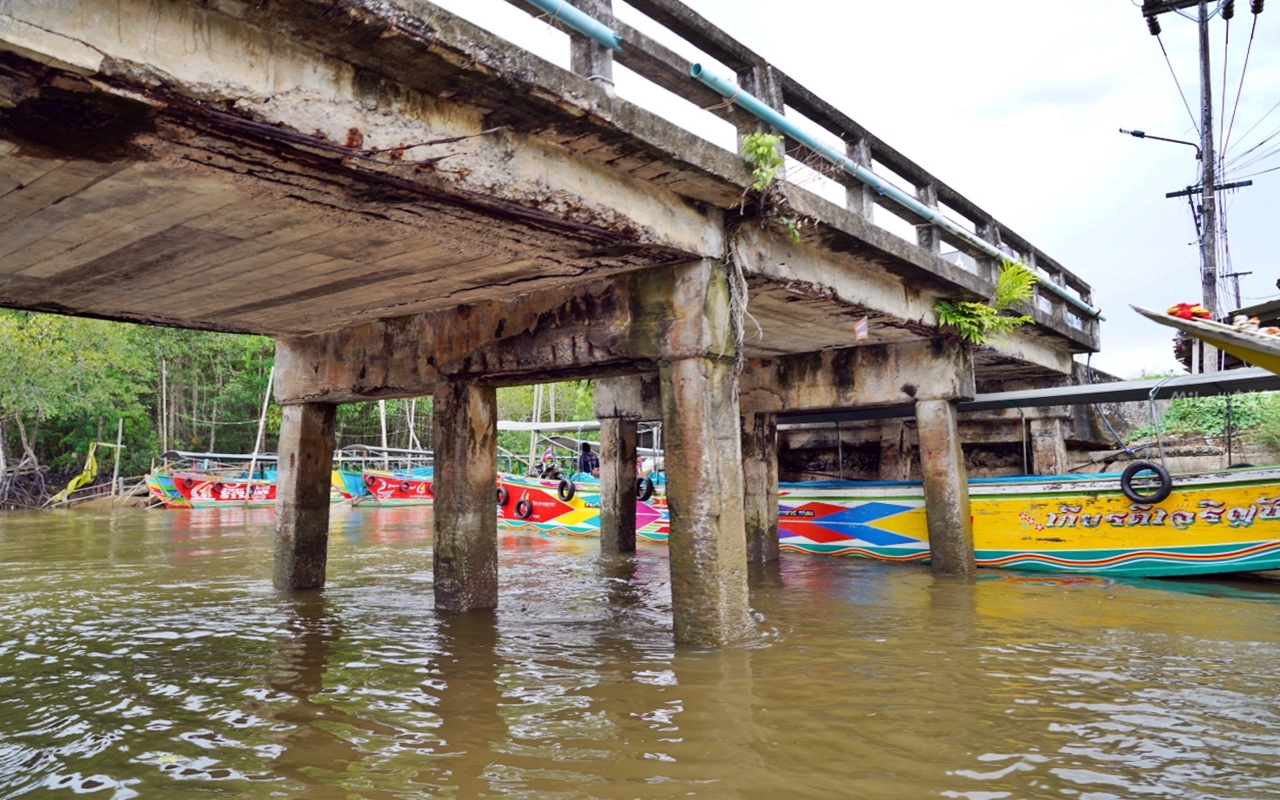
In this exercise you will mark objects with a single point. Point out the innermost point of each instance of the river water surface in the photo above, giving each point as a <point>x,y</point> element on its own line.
<point>144,654</point>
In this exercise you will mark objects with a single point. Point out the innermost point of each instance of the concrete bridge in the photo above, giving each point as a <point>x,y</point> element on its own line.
<point>411,205</point>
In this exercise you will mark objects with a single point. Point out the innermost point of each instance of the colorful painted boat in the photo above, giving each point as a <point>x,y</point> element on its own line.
<point>531,504</point>
<point>160,486</point>
<point>1211,523</point>
<point>200,490</point>
<point>411,488</point>
<point>1252,347</point>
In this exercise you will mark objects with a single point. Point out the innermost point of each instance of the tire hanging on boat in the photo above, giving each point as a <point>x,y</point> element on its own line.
<point>524,508</point>
<point>565,489</point>
<point>404,486</point>
<point>187,483</point>
<point>644,488</point>
<point>1137,467</point>
<point>370,481</point>
<point>502,495</point>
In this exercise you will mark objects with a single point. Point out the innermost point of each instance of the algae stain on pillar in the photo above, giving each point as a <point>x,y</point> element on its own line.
<point>302,496</point>
<point>465,545</point>
<point>946,489</point>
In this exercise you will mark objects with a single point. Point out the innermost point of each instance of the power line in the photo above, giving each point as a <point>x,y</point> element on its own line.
<point>1226,143</point>
<point>1177,83</point>
<point>1260,120</point>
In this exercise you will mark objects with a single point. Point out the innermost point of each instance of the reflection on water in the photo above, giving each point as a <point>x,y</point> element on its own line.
<point>145,655</point>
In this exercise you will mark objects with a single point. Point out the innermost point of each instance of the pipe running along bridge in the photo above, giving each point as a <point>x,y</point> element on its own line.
<point>411,205</point>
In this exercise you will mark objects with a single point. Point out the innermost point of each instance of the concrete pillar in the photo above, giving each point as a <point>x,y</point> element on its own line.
<point>895,451</point>
<point>1048,448</point>
<point>760,485</point>
<point>617,485</point>
<point>946,488</point>
<point>302,496</point>
<point>465,561</point>
<point>704,494</point>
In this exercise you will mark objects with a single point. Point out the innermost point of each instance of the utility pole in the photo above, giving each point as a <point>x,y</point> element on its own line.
<point>1209,202</point>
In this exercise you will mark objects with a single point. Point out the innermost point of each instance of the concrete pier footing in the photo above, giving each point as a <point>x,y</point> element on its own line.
<point>617,485</point>
<point>704,495</point>
<point>760,485</point>
<point>302,496</point>
<point>465,560</point>
<point>946,489</point>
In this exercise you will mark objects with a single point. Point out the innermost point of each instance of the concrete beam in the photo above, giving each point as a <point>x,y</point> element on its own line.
<point>533,338</point>
<point>635,397</point>
<point>859,376</point>
<point>302,496</point>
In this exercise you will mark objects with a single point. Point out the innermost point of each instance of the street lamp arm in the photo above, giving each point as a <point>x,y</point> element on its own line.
<point>1145,135</point>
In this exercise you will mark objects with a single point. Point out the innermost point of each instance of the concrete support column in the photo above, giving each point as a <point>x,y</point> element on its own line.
<point>1048,447</point>
<point>760,485</point>
<point>465,561</point>
<point>704,494</point>
<point>617,485</point>
<point>895,451</point>
<point>946,489</point>
<point>302,496</point>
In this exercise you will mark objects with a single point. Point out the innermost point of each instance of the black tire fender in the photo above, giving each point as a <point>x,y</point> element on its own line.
<point>404,486</point>
<point>502,495</point>
<point>187,483</point>
<point>644,488</point>
<point>524,508</point>
<point>370,481</point>
<point>565,490</point>
<point>1137,467</point>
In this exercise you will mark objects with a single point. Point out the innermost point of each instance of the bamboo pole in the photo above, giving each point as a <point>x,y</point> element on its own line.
<point>257,443</point>
<point>115,469</point>
<point>382,415</point>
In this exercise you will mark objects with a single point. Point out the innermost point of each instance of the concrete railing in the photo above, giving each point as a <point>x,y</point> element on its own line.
<point>659,64</point>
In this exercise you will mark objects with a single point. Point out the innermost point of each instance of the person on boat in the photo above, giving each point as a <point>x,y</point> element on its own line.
<point>588,461</point>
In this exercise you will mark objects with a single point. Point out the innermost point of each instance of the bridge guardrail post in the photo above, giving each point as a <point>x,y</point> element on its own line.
<point>928,235</point>
<point>587,58</point>
<point>859,197</point>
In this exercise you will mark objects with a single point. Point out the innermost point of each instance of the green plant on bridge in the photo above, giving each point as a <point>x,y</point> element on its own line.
<point>760,151</point>
<point>979,323</point>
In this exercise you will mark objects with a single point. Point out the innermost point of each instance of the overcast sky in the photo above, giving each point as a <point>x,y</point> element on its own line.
<point>1017,104</point>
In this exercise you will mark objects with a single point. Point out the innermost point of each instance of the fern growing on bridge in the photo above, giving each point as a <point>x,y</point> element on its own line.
<point>979,323</point>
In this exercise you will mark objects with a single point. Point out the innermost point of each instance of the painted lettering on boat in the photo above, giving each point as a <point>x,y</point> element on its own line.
<point>1209,512</point>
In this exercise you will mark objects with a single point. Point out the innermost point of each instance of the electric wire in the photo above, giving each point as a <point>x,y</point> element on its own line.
<point>1260,120</point>
<point>1226,144</point>
<point>1178,83</point>
<point>1226,57</point>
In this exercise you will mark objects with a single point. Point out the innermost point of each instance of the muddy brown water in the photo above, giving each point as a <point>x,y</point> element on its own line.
<point>144,654</point>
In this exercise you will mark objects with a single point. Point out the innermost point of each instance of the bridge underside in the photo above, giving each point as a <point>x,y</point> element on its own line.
<point>411,206</point>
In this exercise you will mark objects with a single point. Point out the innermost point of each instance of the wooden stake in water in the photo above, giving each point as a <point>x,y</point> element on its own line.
<point>257,443</point>
<point>382,414</point>
<point>115,470</point>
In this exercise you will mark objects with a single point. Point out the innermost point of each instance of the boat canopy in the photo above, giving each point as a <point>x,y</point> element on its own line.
<point>176,454</point>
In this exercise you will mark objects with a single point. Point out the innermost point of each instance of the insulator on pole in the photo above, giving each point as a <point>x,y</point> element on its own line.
<point>1256,6</point>
<point>1153,24</point>
<point>1229,9</point>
